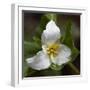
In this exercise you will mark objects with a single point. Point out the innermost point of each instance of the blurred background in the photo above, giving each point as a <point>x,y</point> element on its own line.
<point>33,25</point>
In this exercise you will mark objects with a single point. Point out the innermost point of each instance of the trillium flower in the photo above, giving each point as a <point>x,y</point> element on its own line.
<point>53,52</point>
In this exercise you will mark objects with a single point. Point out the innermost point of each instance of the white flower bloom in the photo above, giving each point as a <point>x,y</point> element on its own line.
<point>52,50</point>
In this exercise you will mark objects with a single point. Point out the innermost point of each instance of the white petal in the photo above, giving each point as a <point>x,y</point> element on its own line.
<point>64,55</point>
<point>39,62</point>
<point>64,50</point>
<point>51,34</point>
<point>61,60</point>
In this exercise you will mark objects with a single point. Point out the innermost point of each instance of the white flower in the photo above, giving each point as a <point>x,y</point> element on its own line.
<point>52,50</point>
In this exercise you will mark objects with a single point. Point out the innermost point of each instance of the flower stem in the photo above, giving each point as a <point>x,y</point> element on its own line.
<point>74,67</point>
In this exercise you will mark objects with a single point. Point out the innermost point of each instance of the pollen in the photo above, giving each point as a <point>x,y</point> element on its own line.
<point>52,49</point>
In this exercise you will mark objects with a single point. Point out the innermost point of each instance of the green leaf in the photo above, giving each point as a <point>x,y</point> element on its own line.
<point>31,48</point>
<point>37,40</point>
<point>42,26</point>
<point>51,16</point>
<point>68,40</point>
<point>29,72</point>
<point>56,67</point>
<point>47,72</point>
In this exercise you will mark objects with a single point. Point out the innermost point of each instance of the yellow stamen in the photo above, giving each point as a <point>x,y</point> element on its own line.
<point>52,50</point>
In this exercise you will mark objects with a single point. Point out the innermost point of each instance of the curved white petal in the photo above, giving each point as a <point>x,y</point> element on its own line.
<point>61,60</point>
<point>64,50</point>
<point>39,62</point>
<point>64,55</point>
<point>51,34</point>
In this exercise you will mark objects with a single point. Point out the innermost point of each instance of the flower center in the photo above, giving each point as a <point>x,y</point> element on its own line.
<point>52,50</point>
